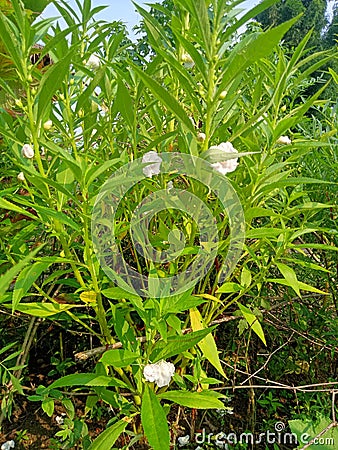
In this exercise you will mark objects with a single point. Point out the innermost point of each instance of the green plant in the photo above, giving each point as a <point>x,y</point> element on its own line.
<point>94,114</point>
<point>21,436</point>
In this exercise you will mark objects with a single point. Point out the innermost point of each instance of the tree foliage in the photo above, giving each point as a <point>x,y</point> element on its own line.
<point>331,35</point>
<point>313,17</point>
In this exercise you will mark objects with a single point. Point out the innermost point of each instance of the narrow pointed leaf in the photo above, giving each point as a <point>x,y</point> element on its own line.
<point>108,438</point>
<point>166,98</point>
<point>154,421</point>
<point>207,344</point>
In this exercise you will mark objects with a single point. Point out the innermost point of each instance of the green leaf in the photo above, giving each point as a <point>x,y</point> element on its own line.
<point>154,421</point>
<point>48,406</point>
<point>66,157</point>
<point>252,321</point>
<point>180,303</point>
<point>177,344</point>
<point>51,82</point>
<point>118,358</point>
<point>8,277</point>
<point>208,344</point>
<point>36,6</point>
<point>84,99</point>
<point>65,178</point>
<point>262,6</point>
<point>193,52</point>
<point>228,288</point>
<point>199,11</point>
<point>290,276</point>
<point>42,309</point>
<point>16,383</point>
<point>25,280</point>
<point>334,75</point>
<point>308,429</point>
<point>246,277</point>
<point>125,104</point>
<point>198,400</point>
<point>253,48</point>
<point>35,179</point>
<point>7,347</point>
<point>5,204</point>
<point>47,213</point>
<point>86,379</point>
<point>10,41</point>
<point>97,170</point>
<point>69,407</point>
<point>300,285</point>
<point>108,438</point>
<point>166,98</point>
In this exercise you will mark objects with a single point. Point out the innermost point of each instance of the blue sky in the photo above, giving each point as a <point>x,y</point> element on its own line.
<point>123,10</point>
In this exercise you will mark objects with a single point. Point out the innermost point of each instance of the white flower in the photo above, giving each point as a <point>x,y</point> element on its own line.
<point>229,165</point>
<point>151,169</point>
<point>201,137</point>
<point>187,60</point>
<point>8,445</point>
<point>93,62</point>
<point>48,125</point>
<point>21,176</point>
<point>225,411</point>
<point>27,151</point>
<point>159,373</point>
<point>183,440</point>
<point>60,419</point>
<point>285,140</point>
<point>170,186</point>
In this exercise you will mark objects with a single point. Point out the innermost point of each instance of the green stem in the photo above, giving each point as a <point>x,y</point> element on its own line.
<point>88,258</point>
<point>70,123</point>
<point>34,132</point>
<point>60,232</point>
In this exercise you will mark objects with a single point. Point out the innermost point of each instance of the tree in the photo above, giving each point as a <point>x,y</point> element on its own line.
<point>313,17</point>
<point>331,35</point>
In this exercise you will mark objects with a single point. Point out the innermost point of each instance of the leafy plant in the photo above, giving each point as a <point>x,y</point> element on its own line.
<point>205,99</point>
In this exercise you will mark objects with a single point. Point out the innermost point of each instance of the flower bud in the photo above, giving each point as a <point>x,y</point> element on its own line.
<point>223,94</point>
<point>21,176</point>
<point>48,125</point>
<point>27,151</point>
<point>93,62</point>
<point>201,137</point>
<point>284,140</point>
<point>18,103</point>
<point>283,108</point>
<point>29,78</point>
